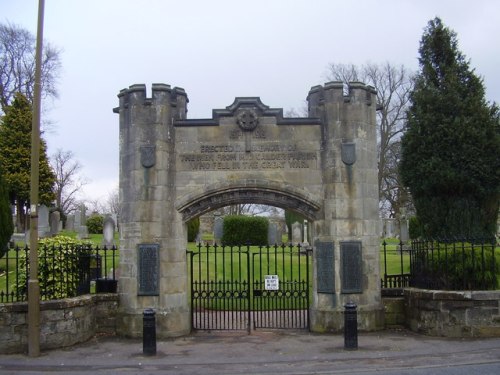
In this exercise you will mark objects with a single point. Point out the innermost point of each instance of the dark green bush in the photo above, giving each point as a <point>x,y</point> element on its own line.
<point>239,230</point>
<point>414,228</point>
<point>95,224</point>
<point>458,267</point>
<point>193,227</point>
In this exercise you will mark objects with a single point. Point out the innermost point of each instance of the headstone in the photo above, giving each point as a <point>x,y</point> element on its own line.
<point>83,215</point>
<point>296,233</point>
<point>108,231</point>
<point>272,234</point>
<point>115,220</point>
<point>70,222</point>
<point>218,228</point>
<point>305,234</point>
<point>43,221</point>
<point>78,219</point>
<point>55,218</point>
<point>403,230</point>
<point>83,231</point>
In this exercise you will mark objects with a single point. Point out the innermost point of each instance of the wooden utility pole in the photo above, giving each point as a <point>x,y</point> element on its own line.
<point>33,283</point>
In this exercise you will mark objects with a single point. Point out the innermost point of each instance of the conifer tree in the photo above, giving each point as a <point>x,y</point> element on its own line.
<point>15,158</point>
<point>450,152</point>
<point>6,224</point>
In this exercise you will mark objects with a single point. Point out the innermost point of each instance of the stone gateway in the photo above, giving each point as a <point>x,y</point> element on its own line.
<point>173,169</point>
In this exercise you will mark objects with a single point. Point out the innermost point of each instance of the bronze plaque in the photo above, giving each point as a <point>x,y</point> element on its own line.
<point>325,267</point>
<point>148,269</point>
<point>351,272</point>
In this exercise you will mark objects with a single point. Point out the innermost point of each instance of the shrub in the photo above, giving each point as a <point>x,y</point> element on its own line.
<point>95,224</point>
<point>193,229</point>
<point>240,230</point>
<point>63,265</point>
<point>415,229</point>
<point>461,266</point>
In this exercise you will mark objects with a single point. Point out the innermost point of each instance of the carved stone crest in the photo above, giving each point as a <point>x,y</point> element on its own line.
<point>348,153</point>
<point>148,156</point>
<point>247,119</point>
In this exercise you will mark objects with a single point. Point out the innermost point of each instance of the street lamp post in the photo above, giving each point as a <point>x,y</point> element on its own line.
<point>33,284</point>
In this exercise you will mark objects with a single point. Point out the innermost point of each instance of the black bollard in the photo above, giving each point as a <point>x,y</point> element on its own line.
<point>149,332</point>
<point>350,326</point>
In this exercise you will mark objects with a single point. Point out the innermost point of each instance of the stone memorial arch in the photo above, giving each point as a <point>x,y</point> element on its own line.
<point>172,169</point>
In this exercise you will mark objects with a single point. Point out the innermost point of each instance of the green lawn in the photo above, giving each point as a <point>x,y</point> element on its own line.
<point>395,263</point>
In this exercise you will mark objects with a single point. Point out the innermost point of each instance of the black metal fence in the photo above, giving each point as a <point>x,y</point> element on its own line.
<point>441,264</point>
<point>63,272</point>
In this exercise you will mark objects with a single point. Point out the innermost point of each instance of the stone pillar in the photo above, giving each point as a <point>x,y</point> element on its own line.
<point>147,193</point>
<point>346,236</point>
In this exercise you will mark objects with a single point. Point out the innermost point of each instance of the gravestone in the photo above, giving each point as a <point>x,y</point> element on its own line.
<point>306,242</point>
<point>218,228</point>
<point>296,233</point>
<point>272,234</point>
<point>83,231</point>
<point>55,218</point>
<point>115,220</point>
<point>108,231</point>
<point>70,222</point>
<point>43,221</point>
<point>403,230</point>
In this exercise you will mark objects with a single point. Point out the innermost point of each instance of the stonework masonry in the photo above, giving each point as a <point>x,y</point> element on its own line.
<point>62,322</point>
<point>322,166</point>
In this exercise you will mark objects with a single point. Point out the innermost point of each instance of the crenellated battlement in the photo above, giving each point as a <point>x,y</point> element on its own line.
<point>333,92</point>
<point>161,94</point>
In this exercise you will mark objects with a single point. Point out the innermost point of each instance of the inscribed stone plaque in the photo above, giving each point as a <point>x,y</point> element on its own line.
<point>325,267</point>
<point>148,267</point>
<point>351,267</point>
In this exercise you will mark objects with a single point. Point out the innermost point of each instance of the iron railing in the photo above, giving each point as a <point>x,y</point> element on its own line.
<point>441,264</point>
<point>63,272</point>
<point>245,287</point>
<point>451,264</point>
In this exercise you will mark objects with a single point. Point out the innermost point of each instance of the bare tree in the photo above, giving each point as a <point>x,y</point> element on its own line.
<point>113,202</point>
<point>251,209</point>
<point>17,65</point>
<point>393,85</point>
<point>68,180</point>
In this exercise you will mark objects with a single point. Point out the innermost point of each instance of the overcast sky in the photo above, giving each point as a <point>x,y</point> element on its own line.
<point>217,50</point>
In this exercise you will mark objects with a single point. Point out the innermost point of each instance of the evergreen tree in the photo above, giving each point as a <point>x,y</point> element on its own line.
<point>450,152</point>
<point>6,224</point>
<point>15,158</point>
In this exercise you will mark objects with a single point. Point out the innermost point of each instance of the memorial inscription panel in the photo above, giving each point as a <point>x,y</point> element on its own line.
<point>148,263</point>
<point>351,267</point>
<point>237,157</point>
<point>325,267</point>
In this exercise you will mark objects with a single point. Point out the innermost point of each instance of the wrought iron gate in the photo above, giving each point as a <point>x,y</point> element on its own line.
<point>243,287</point>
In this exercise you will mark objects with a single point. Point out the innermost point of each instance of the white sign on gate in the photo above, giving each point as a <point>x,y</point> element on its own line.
<point>272,282</point>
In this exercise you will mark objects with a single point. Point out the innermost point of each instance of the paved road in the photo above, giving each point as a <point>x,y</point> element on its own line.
<point>268,352</point>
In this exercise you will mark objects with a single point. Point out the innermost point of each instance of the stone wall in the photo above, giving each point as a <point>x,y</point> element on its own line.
<point>62,322</point>
<point>453,314</point>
